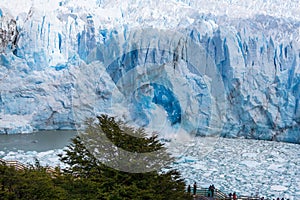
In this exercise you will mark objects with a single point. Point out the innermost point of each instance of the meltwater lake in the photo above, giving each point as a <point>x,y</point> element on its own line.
<point>39,141</point>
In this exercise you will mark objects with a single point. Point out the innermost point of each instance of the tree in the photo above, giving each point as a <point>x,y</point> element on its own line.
<point>30,183</point>
<point>134,173</point>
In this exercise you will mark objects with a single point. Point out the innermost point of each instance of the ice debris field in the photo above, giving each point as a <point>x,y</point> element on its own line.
<point>248,167</point>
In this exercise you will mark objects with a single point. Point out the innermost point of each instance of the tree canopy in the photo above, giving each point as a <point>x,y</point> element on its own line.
<point>89,176</point>
<point>152,183</point>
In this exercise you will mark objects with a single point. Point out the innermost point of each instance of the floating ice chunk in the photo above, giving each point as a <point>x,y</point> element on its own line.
<point>208,174</point>
<point>276,167</point>
<point>187,159</point>
<point>250,163</point>
<point>278,188</point>
<point>198,166</point>
<point>44,154</point>
<point>249,155</point>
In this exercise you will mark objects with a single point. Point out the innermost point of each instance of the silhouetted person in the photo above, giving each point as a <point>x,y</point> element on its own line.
<point>212,190</point>
<point>189,189</point>
<point>234,196</point>
<point>230,195</point>
<point>195,188</point>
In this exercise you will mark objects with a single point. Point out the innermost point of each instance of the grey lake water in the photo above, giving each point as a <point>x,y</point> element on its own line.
<point>39,141</point>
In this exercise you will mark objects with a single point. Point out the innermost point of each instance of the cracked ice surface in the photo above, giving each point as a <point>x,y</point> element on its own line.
<point>247,167</point>
<point>244,166</point>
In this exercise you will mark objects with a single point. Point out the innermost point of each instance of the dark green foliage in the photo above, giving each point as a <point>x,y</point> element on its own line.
<point>116,184</point>
<point>88,178</point>
<point>82,162</point>
<point>28,184</point>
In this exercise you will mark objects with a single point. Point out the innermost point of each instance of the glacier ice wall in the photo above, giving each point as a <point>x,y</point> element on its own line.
<point>203,73</point>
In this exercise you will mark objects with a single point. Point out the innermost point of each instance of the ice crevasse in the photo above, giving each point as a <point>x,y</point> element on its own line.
<point>154,66</point>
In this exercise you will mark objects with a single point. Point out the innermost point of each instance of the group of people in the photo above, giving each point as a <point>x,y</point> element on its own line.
<point>194,188</point>
<point>232,196</point>
<point>211,191</point>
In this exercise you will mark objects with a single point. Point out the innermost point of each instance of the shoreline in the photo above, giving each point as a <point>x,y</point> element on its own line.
<point>269,168</point>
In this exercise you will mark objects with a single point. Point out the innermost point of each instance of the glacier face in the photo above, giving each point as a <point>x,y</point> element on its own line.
<point>155,63</point>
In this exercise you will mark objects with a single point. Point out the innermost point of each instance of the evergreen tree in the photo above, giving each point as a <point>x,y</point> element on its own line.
<point>91,157</point>
<point>31,183</point>
<point>88,177</point>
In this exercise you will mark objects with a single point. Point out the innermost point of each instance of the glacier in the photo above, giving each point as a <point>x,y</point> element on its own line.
<point>167,65</point>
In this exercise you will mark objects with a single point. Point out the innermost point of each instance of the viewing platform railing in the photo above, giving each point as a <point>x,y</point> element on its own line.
<point>20,166</point>
<point>205,194</point>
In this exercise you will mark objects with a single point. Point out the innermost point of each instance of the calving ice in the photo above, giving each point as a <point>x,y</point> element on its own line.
<point>171,65</point>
